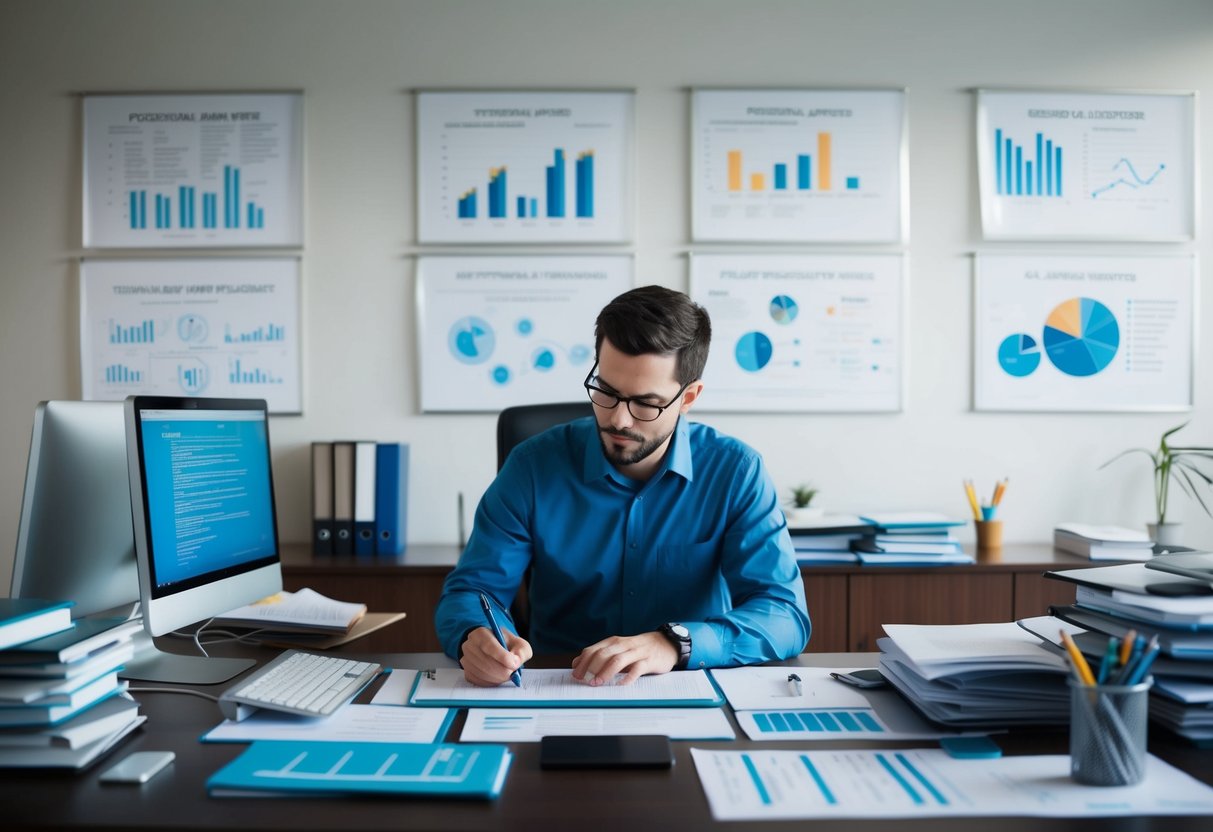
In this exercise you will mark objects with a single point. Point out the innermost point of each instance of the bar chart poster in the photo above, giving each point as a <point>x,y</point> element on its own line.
<point>500,331</point>
<point>193,170</point>
<point>802,333</point>
<point>799,165</point>
<point>1084,333</point>
<point>1087,166</point>
<point>216,327</point>
<point>525,167</point>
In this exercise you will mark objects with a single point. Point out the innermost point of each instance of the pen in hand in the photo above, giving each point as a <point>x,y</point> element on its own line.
<point>794,686</point>
<point>516,676</point>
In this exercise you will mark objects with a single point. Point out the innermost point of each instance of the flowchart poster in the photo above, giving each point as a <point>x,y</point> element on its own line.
<point>799,165</point>
<point>193,170</point>
<point>524,167</point>
<point>217,327</point>
<point>802,333</point>
<point>1087,166</point>
<point>501,331</point>
<point>1084,333</point>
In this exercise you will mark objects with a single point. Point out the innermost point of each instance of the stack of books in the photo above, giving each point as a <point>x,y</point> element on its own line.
<point>977,675</point>
<point>61,703</point>
<point>910,539</point>
<point>1151,603</point>
<point>828,539</point>
<point>1103,542</point>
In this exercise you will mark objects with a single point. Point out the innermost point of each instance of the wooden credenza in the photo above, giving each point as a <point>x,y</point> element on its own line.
<point>847,603</point>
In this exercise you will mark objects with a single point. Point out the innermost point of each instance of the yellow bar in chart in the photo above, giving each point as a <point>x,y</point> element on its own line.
<point>757,182</point>
<point>823,161</point>
<point>734,170</point>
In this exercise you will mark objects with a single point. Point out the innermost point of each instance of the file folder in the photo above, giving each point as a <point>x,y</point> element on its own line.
<point>364,498</point>
<point>322,498</point>
<point>343,498</point>
<point>391,497</point>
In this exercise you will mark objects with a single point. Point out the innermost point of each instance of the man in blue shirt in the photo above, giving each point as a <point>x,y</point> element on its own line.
<point>654,544</point>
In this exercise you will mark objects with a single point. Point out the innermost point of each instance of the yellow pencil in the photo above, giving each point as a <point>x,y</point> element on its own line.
<point>1126,647</point>
<point>998,492</point>
<point>1078,659</point>
<point>972,495</point>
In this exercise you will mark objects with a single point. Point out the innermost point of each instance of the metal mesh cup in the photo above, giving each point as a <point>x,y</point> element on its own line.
<point>1108,732</point>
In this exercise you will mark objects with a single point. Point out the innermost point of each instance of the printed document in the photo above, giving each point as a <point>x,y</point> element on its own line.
<point>541,687</point>
<point>531,725</point>
<point>353,723</point>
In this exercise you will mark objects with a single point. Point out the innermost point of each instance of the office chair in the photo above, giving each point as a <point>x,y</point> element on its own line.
<point>514,425</point>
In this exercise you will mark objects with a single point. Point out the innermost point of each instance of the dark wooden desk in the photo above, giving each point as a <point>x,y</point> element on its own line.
<point>532,800</point>
<point>847,602</point>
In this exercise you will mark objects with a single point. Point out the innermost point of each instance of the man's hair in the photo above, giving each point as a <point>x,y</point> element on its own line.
<point>660,321</point>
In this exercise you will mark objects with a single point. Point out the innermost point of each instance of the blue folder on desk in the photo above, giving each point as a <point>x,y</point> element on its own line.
<point>544,688</point>
<point>273,768</point>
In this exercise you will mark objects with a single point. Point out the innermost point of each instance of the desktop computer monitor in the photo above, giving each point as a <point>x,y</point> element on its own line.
<point>202,502</point>
<point>74,537</point>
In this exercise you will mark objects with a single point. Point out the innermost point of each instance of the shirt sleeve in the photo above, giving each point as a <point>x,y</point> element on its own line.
<point>770,619</point>
<point>497,555</point>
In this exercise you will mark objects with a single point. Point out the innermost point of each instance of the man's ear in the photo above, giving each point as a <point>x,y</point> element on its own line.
<point>690,396</point>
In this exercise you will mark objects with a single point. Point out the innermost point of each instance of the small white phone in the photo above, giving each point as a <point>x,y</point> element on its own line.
<point>138,767</point>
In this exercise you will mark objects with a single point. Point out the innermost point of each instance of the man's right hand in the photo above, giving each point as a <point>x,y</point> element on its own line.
<point>486,663</point>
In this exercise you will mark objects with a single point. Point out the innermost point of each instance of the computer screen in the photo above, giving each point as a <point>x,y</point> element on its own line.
<point>202,499</point>
<point>74,537</point>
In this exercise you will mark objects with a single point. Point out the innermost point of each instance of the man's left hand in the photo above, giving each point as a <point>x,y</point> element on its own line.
<point>634,656</point>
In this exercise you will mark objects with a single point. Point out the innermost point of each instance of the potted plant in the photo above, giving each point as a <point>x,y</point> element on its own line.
<point>1178,463</point>
<point>800,508</point>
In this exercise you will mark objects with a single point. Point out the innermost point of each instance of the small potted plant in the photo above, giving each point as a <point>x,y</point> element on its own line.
<point>1178,463</point>
<point>800,508</point>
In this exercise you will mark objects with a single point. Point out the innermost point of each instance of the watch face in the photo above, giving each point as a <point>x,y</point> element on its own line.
<point>680,631</point>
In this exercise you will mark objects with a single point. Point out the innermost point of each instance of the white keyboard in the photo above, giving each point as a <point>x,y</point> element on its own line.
<point>299,683</point>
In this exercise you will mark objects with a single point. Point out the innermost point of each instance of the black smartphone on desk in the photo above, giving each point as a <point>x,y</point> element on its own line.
<point>639,751</point>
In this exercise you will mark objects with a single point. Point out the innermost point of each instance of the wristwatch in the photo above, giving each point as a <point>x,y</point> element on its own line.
<point>680,637</point>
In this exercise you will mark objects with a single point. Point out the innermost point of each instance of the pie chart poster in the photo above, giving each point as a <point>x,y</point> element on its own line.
<point>1084,333</point>
<point>501,331</point>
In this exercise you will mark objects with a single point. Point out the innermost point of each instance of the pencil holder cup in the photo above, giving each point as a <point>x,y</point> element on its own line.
<point>989,534</point>
<point>1108,732</point>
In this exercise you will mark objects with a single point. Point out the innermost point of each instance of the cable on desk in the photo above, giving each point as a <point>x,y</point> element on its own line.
<point>184,691</point>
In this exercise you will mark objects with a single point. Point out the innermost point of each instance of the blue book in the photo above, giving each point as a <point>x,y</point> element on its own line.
<point>391,497</point>
<point>25,619</point>
<point>89,636</point>
<point>284,769</point>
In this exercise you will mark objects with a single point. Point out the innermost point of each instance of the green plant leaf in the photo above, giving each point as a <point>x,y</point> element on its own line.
<point>1150,454</point>
<point>1192,491</point>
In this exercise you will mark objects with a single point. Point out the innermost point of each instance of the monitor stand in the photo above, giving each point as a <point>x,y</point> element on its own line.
<point>151,664</point>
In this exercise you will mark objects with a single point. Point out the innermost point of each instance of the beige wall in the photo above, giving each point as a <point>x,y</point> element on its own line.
<point>356,62</point>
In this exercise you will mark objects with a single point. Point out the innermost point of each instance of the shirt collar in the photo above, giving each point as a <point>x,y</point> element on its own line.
<point>677,457</point>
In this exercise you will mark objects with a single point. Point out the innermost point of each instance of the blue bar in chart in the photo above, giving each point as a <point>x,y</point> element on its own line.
<point>467,205</point>
<point>852,183</point>
<point>141,333</point>
<point>121,374</point>
<point>187,197</point>
<point>554,177</point>
<point>1015,175</point>
<point>237,374</point>
<point>497,187</point>
<point>262,334</point>
<point>781,177</point>
<point>823,721</point>
<point>192,379</point>
<point>231,196</point>
<point>585,184</point>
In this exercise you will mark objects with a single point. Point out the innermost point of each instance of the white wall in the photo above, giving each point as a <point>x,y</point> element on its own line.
<point>356,62</point>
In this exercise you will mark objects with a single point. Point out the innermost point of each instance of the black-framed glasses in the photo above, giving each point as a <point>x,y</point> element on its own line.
<point>641,411</point>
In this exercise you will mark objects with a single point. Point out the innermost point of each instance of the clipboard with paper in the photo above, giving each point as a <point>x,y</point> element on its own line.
<point>556,688</point>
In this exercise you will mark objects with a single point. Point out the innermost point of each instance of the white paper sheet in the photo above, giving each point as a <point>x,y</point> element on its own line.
<point>766,785</point>
<point>353,723</point>
<point>531,725</point>
<point>395,688</point>
<point>543,686</point>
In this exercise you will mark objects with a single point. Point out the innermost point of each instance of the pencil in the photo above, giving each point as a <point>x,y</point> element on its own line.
<point>1077,658</point>
<point>999,489</point>
<point>972,495</point>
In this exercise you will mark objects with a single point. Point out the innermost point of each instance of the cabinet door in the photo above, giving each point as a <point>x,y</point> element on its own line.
<point>415,595</point>
<point>930,598</point>
<point>827,600</point>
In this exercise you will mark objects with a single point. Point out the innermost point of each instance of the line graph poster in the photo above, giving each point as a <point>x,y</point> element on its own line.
<point>802,333</point>
<point>218,327</point>
<point>193,170</point>
<point>501,331</point>
<point>524,167</point>
<point>1087,166</point>
<point>799,165</point>
<point>1084,333</point>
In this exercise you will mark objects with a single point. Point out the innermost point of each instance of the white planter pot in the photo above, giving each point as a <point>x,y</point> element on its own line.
<point>1166,534</point>
<point>800,516</point>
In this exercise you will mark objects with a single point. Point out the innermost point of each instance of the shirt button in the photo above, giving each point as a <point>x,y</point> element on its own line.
<point>701,664</point>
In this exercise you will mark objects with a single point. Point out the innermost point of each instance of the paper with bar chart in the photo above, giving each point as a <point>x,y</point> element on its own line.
<point>193,170</point>
<point>1084,333</point>
<point>802,332</point>
<point>524,167</point>
<point>219,327</point>
<point>1087,166</point>
<point>500,331</point>
<point>799,165</point>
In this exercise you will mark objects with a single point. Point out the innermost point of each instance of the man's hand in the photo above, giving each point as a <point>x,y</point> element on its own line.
<point>486,663</point>
<point>636,656</point>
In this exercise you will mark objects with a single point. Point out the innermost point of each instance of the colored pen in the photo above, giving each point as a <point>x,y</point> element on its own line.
<point>1143,664</point>
<point>794,686</point>
<point>1126,647</point>
<point>1126,672</point>
<point>516,676</point>
<point>1077,659</point>
<point>1109,660</point>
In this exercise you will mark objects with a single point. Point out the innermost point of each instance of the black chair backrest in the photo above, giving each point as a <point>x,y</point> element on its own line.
<point>516,424</point>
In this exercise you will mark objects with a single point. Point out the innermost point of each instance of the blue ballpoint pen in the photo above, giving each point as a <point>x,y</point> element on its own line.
<point>1143,664</point>
<point>516,676</point>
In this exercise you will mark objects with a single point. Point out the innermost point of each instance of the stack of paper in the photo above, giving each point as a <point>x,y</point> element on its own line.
<point>976,675</point>
<point>302,611</point>
<point>917,538</point>
<point>1103,542</point>
<point>828,539</point>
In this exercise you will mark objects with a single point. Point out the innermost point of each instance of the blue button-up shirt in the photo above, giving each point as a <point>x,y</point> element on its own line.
<point>702,543</point>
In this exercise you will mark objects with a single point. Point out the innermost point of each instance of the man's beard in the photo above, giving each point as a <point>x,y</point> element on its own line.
<point>621,456</point>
